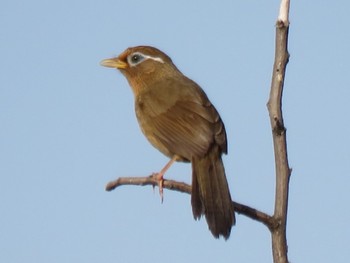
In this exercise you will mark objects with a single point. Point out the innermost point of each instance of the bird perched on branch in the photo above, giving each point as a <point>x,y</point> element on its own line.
<point>178,119</point>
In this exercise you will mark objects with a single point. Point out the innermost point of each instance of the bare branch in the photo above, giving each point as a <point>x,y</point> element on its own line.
<point>186,188</point>
<point>149,180</point>
<point>279,239</point>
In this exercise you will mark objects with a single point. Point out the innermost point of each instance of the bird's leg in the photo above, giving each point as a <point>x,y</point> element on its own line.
<point>159,176</point>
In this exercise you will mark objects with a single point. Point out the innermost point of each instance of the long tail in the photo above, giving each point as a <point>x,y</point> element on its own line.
<point>210,193</point>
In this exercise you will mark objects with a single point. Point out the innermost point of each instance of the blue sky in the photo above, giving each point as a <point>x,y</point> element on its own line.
<point>68,127</point>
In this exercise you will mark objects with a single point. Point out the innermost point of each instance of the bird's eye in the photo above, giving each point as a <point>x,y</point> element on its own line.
<point>136,58</point>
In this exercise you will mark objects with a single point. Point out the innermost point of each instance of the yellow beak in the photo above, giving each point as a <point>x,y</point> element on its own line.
<point>114,63</point>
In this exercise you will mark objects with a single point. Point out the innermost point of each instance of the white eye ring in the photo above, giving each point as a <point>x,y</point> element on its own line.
<point>137,58</point>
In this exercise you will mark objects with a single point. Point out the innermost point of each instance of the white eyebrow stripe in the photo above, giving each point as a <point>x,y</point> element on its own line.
<point>154,58</point>
<point>145,57</point>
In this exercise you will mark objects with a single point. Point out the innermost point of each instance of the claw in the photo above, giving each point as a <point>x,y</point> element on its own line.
<point>159,177</point>
<point>160,185</point>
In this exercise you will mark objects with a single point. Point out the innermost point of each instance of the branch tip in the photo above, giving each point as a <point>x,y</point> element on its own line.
<point>283,16</point>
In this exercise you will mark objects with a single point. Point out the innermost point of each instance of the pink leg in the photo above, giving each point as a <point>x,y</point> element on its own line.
<point>159,176</point>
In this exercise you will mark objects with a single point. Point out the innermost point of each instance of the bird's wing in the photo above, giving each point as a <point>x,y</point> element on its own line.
<point>179,119</point>
<point>183,131</point>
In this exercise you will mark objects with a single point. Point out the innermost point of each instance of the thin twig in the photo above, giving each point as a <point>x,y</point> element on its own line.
<point>186,188</point>
<point>149,180</point>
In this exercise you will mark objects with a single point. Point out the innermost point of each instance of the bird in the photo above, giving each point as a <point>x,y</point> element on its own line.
<point>177,118</point>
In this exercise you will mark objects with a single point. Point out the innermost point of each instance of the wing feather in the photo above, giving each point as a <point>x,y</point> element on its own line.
<point>181,121</point>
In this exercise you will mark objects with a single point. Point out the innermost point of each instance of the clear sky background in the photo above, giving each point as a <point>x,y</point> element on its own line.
<point>67,127</point>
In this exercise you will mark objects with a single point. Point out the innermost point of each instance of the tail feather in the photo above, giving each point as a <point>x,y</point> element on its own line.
<point>211,194</point>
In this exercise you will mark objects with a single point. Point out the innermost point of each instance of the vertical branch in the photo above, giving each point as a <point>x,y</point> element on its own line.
<point>279,240</point>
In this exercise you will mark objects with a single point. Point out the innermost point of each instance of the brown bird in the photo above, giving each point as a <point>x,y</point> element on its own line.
<point>178,119</point>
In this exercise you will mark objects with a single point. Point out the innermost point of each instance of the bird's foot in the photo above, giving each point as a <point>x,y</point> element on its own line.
<point>159,176</point>
<point>160,179</point>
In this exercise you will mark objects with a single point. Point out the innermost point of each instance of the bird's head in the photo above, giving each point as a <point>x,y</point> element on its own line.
<point>142,66</point>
